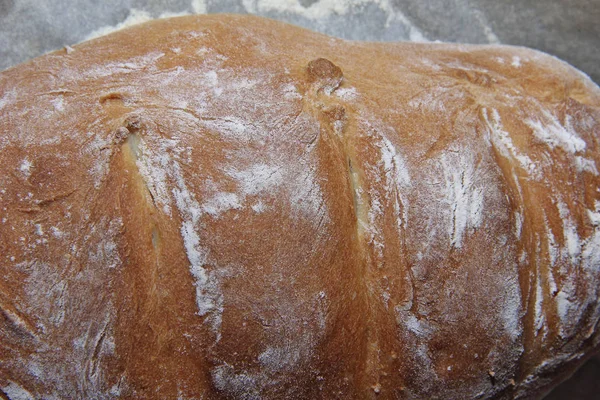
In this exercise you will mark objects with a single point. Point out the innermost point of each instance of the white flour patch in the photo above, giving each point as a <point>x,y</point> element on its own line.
<point>203,51</point>
<point>464,198</point>
<point>418,326</point>
<point>258,207</point>
<point>236,383</point>
<point>266,180</point>
<point>550,131</point>
<point>591,247</point>
<point>585,165</point>
<point>147,61</point>
<point>98,150</point>
<point>225,88</point>
<point>7,98</point>
<point>346,93</point>
<point>432,99</point>
<point>39,229</point>
<point>290,92</point>
<point>375,233</point>
<point>58,103</point>
<point>106,252</point>
<point>209,298</point>
<point>518,224</point>
<point>36,369</point>
<point>397,179</point>
<point>583,255</point>
<point>511,307</point>
<point>564,302</point>
<point>153,168</point>
<point>220,203</point>
<point>25,167</point>
<point>230,127</point>
<point>294,331</point>
<point>258,178</point>
<point>394,181</point>
<point>594,215</point>
<point>115,390</point>
<point>306,197</point>
<point>16,392</point>
<point>571,237</point>
<point>212,80</point>
<point>553,249</point>
<point>53,299</point>
<point>539,300</point>
<point>516,61</point>
<point>164,177</point>
<point>502,141</point>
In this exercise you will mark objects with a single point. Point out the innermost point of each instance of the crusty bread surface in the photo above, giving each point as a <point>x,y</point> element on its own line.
<point>229,207</point>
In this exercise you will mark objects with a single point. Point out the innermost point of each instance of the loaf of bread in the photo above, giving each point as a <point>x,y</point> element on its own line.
<point>229,207</point>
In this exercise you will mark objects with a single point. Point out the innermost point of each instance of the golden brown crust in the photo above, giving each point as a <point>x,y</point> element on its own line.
<point>231,207</point>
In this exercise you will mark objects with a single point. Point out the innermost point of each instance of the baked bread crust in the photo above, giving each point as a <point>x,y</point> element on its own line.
<point>227,206</point>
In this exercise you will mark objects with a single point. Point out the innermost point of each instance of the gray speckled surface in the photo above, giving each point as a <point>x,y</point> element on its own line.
<point>568,29</point>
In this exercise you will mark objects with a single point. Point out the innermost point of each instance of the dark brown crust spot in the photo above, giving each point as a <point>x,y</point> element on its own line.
<point>133,123</point>
<point>111,97</point>
<point>326,74</point>
<point>335,113</point>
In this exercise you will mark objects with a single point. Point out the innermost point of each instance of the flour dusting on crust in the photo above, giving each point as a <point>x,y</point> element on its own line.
<point>551,132</point>
<point>275,256</point>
